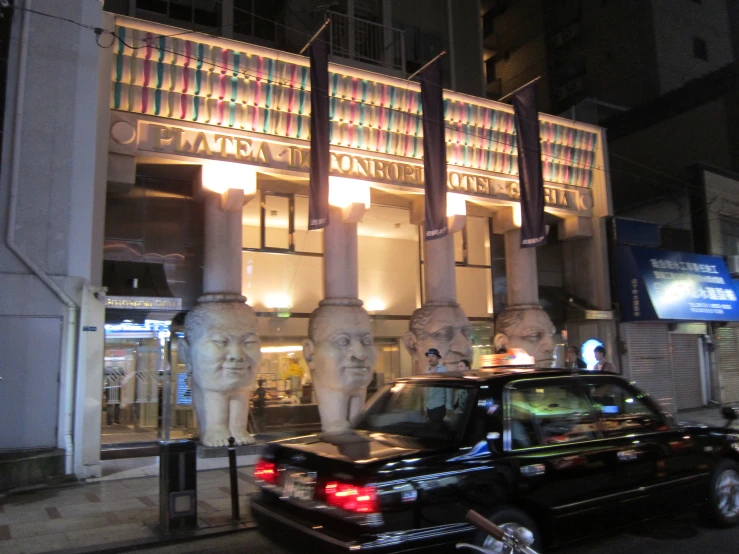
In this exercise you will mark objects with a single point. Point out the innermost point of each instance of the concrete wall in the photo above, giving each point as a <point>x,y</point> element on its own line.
<point>673,37</point>
<point>722,192</point>
<point>703,138</point>
<point>620,52</point>
<point>57,166</point>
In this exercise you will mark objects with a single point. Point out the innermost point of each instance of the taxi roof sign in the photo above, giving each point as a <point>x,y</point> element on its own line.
<point>513,357</point>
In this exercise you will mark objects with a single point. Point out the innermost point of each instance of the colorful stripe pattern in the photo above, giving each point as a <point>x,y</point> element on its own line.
<point>191,81</point>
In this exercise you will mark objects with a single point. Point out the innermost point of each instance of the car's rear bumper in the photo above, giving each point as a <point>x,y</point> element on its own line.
<point>282,524</point>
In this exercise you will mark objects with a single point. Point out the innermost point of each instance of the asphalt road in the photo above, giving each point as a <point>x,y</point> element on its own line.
<point>686,534</point>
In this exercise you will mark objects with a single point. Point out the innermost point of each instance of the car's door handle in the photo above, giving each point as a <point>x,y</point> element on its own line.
<point>627,455</point>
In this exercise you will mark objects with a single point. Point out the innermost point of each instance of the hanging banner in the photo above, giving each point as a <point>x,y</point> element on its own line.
<point>320,160</point>
<point>533,230</point>
<point>434,152</point>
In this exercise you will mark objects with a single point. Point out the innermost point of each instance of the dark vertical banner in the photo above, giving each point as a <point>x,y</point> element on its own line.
<point>320,159</point>
<point>434,152</point>
<point>533,230</point>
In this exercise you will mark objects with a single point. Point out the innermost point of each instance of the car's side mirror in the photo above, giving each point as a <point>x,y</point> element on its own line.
<point>492,439</point>
<point>731,413</point>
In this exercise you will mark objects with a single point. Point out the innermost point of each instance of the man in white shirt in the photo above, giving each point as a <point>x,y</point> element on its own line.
<point>438,399</point>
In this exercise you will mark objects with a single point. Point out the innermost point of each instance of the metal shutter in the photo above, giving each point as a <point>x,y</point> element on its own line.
<point>650,361</point>
<point>728,362</point>
<point>686,371</point>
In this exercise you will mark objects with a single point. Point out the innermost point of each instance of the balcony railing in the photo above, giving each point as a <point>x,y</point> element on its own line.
<point>367,42</point>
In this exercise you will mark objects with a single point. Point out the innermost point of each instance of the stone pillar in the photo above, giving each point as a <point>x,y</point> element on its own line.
<point>340,348</point>
<point>439,270</point>
<point>221,346</point>
<point>340,258</point>
<point>222,263</point>
<point>523,324</point>
<point>523,282</point>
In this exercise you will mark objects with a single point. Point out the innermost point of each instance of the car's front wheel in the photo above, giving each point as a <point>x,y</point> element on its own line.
<point>514,521</point>
<point>724,494</point>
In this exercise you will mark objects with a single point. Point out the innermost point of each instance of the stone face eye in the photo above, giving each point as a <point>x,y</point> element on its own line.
<point>343,341</point>
<point>367,341</point>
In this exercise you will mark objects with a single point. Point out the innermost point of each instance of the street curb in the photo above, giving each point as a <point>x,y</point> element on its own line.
<point>162,540</point>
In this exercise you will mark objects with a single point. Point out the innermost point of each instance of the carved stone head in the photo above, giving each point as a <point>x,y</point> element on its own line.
<point>441,326</point>
<point>341,349</point>
<point>528,327</point>
<point>221,345</point>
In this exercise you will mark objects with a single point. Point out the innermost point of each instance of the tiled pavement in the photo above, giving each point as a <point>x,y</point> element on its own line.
<point>120,507</point>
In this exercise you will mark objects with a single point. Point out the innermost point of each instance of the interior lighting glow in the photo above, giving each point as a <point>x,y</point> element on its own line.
<point>280,349</point>
<point>278,301</point>
<point>455,204</point>
<point>343,192</point>
<point>221,176</point>
<point>517,215</point>
<point>375,305</point>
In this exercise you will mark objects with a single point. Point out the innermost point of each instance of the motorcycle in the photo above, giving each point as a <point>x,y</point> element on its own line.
<point>509,541</point>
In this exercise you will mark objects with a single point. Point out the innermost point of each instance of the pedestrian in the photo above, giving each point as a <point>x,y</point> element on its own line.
<point>603,365</point>
<point>260,403</point>
<point>463,365</point>
<point>439,400</point>
<point>574,361</point>
<point>460,404</point>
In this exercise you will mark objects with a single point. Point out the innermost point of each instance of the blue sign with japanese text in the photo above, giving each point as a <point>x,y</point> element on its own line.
<point>661,284</point>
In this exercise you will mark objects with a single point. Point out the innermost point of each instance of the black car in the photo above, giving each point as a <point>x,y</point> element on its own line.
<point>551,455</point>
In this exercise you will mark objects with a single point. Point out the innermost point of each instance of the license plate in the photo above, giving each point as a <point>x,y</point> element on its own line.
<point>300,486</point>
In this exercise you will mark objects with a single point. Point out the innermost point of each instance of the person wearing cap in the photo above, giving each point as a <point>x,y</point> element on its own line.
<point>438,399</point>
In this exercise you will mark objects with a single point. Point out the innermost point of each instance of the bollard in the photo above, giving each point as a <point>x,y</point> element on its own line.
<point>234,480</point>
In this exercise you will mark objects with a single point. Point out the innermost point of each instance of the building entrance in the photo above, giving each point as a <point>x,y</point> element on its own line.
<point>142,386</point>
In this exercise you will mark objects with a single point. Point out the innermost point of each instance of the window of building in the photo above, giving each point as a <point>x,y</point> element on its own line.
<point>700,48</point>
<point>622,411</point>
<point>200,12</point>
<point>542,414</point>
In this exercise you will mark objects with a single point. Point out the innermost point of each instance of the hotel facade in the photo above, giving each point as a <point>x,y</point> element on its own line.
<point>114,141</point>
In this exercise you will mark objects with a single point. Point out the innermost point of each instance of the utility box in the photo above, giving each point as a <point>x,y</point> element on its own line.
<point>178,485</point>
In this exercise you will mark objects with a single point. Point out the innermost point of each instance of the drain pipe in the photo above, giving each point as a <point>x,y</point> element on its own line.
<point>68,369</point>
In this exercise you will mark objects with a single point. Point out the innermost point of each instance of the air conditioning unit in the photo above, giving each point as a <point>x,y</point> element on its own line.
<point>733,263</point>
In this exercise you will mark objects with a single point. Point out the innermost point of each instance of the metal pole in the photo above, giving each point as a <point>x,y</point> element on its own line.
<point>234,480</point>
<point>439,55</point>
<point>318,32</point>
<point>519,88</point>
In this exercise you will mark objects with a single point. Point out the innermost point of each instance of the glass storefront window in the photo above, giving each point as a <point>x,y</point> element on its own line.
<point>251,222</point>
<point>278,221</point>
<point>306,241</point>
<point>389,270</point>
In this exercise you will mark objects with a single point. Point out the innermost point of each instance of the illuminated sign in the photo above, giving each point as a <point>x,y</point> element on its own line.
<point>143,303</point>
<point>660,284</point>
<point>184,392</point>
<point>253,149</point>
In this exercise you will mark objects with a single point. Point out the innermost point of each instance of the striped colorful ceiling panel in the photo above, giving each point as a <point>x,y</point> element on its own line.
<point>193,81</point>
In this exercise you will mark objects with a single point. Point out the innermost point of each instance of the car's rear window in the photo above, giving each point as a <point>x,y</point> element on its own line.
<point>431,412</point>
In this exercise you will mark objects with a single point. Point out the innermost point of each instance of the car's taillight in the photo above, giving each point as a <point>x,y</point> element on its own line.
<point>352,498</point>
<point>266,471</point>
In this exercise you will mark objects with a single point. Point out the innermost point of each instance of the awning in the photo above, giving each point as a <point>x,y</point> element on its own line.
<point>657,284</point>
<point>125,278</point>
<point>137,290</point>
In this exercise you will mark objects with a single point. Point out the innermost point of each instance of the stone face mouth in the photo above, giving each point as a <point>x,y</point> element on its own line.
<point>235,367</point>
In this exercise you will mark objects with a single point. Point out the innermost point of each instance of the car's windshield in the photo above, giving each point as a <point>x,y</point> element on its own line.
<point>430,411</point>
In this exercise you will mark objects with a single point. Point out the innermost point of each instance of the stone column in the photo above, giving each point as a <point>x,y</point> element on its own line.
<point>222,263</point>
<point>221,345</point>
<point>439,270</point>
<point>523,282</point>
<point>523,324</point>
<point>340,349</point>
<point>340,258</point>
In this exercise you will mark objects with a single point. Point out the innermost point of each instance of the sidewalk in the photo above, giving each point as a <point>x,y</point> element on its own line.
<point>705,416</point>
<point>118,510</point>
